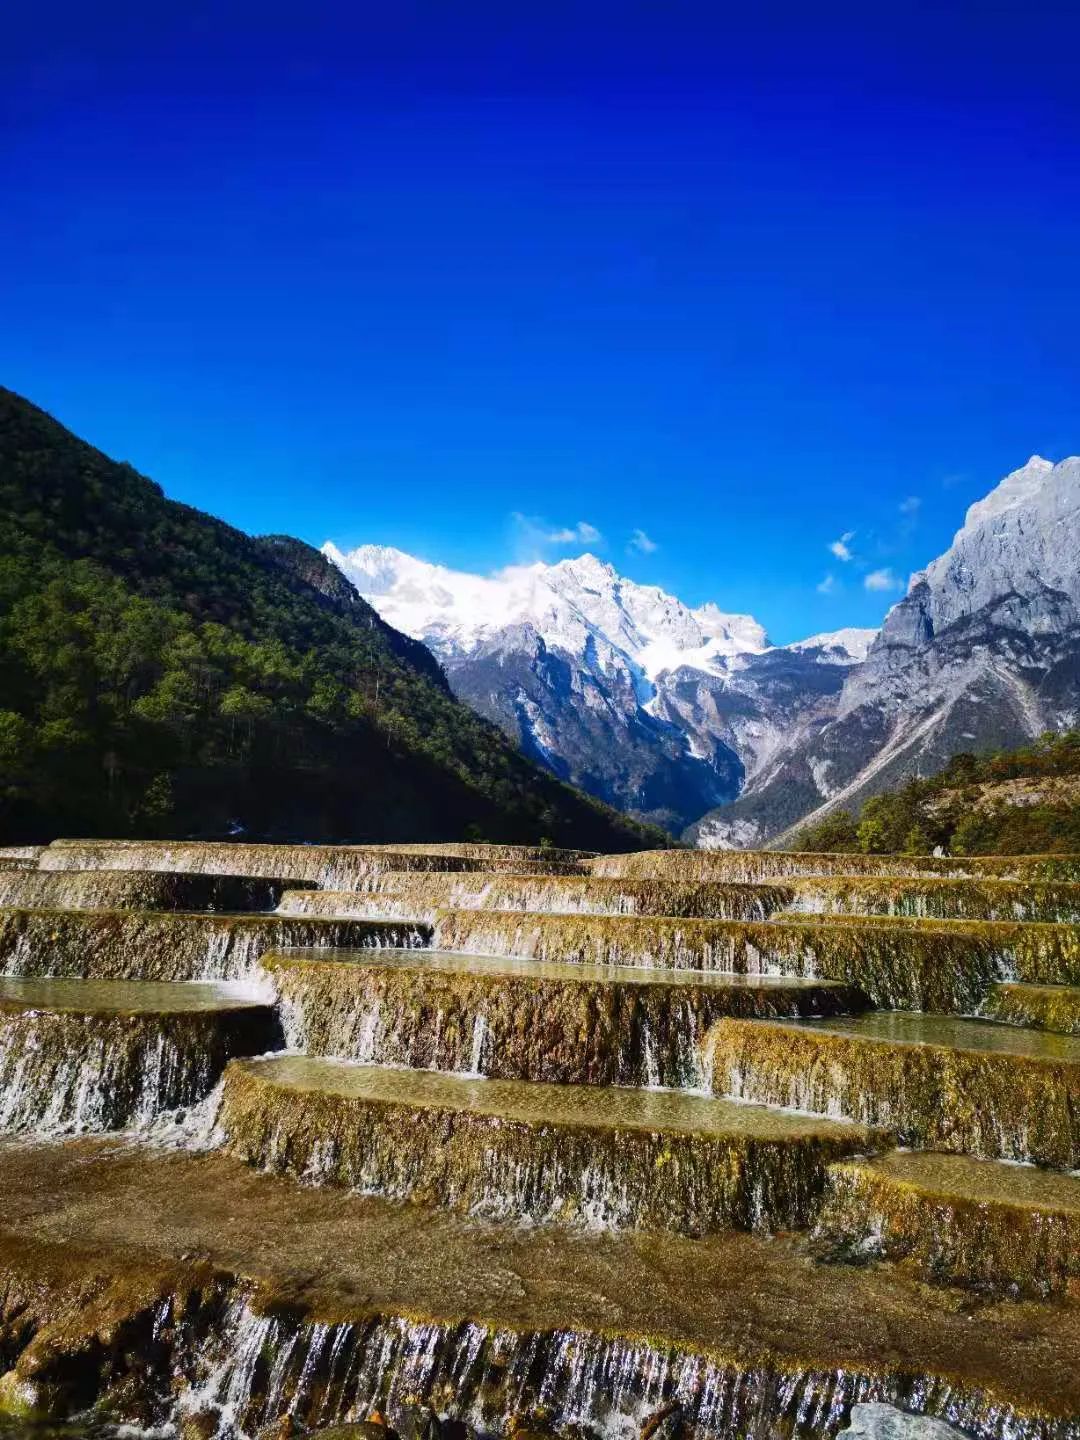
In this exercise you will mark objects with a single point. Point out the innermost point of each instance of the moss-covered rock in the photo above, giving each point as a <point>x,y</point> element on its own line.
<point>523,1019</point>
<point>305,1302</point>
<point>1028,950</point>
<point>913,966</point>
<point>148,945</point>
<point>1040,1007</point>
<point>138,890</point>
<point>332,867</point>
<point>757,865</point>
<point>601,1156</point>
<point>958,1220</point>
<point>417,896</point>
<point>940,1083</point>
<point>936,897</point>
<point>120,1061</point>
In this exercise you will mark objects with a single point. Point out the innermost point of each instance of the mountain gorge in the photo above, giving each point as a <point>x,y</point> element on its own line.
<point>662,710</point>
<point>689,718</point>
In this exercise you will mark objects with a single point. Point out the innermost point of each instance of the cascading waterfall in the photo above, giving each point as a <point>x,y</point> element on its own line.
<point>571,1024</point>
<point>261,1367</point>
<point>420,896</point>
<point>935,898</point>
<point>896,964</point>
<point>157,945</point>
<point>599,1156</point>
<point>63,1074</point>
<point>752,866</point>
<point>137,890</point>
<point>331,867</point>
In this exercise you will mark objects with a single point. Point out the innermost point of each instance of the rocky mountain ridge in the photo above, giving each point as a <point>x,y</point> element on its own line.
<point>982,653</point>
<point>620,688</point>
<point>690,718</point>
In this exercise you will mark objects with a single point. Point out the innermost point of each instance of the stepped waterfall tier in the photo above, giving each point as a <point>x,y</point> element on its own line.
<point>415,896</point>
<point>138,890</point>
<point>753,866</point>
<point>147,945</point>
<point>519,1019</point>
<point>945,966</point>
<point>473,1142</point>
<point>112,1054</point>
<point>605,1155</point>
<point>941,1083</point>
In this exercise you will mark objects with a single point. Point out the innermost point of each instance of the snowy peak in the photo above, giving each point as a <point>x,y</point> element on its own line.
<point>581,607</point>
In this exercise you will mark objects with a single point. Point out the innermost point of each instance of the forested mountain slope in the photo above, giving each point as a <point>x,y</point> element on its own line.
<point>163,673</point>
<point>1013,802</point>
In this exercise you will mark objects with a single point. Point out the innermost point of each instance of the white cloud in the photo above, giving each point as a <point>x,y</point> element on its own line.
<point>827,586</point>
<point>883,580</point>
<point>841,548</point>
<point>910,506</point>
<point>582,533</point>
<point>642,543</point>
<point>535,534</point>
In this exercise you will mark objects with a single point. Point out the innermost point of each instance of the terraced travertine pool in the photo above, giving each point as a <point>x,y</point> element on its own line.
<point>677,1146</point>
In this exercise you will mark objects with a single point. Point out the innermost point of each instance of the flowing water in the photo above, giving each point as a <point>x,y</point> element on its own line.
<point>78,1057</point>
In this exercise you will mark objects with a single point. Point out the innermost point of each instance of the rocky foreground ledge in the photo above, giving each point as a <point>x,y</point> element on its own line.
<point>170,1286</point>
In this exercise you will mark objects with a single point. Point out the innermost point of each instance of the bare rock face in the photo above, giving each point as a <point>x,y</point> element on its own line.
<point>983,652</point>
<point>885,1422</point>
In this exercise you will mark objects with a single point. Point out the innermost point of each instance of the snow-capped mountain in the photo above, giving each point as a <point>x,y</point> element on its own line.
<point>572,604</point>
<point>620,688</point>
<point>983,651</point>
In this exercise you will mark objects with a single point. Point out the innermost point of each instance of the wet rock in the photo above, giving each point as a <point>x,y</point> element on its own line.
<point>19,1398</point>
<point>420,1422</point>
<point>885,1422</point>
<point>203,1425</point>
<point>664,1424</point>
<point>374,1428</point>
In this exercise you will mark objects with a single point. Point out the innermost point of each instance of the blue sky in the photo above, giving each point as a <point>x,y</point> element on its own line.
<point>744,283</point>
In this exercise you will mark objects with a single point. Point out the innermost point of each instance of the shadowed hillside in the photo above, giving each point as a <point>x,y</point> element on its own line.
<point>161,672</point>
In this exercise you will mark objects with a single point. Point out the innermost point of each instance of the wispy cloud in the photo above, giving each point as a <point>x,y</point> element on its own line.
<point>642,543</point>
<point>883,580</point>
<point>535,535</point>
<point>910,506</point>
<point>827,586</point>
<point>582,532</point>
<point>842,548</point>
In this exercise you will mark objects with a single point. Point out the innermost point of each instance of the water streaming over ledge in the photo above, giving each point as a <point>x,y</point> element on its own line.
<point>600,1156</point>
<point>260,1367</point>
<point>88,1066</point>
<point>172,946</point>
<point>757,865</point>
<point>421,895</point>
<point>341,867</point>
<point>119,1056</point>
<point>138,890</point>
<point>524,1019</point>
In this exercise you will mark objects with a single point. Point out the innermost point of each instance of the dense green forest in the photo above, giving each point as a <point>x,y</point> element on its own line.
<point>164,674</point>
<point>971,808</point>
